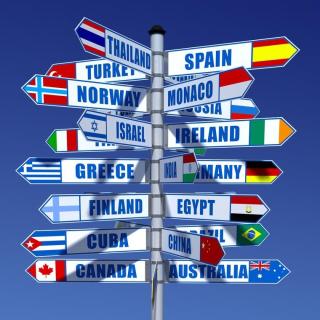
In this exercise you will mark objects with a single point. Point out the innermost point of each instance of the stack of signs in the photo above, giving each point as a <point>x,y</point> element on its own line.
<point>204,82</point>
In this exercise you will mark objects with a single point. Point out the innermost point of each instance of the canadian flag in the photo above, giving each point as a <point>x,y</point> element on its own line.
<point>48,270</point>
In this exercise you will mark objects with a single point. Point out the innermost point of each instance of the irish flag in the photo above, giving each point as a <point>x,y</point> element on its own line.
<point>190,167</point>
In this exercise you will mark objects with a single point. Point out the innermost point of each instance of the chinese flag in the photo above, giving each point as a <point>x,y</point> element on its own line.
<point>211,251</point>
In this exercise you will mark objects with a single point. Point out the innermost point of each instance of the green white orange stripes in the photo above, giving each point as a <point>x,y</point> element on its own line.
<point>190,167</point>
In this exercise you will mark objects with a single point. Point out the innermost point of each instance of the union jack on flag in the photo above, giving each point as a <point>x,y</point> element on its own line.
<point>259,265</point>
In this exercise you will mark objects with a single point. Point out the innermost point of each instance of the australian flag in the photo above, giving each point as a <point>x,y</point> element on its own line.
<point>267,271</point>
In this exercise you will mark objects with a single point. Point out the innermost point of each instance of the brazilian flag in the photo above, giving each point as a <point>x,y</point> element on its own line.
<point>251,234</point>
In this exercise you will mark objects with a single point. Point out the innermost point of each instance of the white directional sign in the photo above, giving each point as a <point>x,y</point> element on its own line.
<point>95,207</point>
<point>119,271</point>
<point>179,169</point>
<point>42,243</point>
<point>210,206</point>
<point>100,70</point>
<point>114,129</point>
<point>104,42</point>
<point>218,87</point>
<point>193,246</point>
<point>252,54</point>
<point>44,170</point>
<point>241,133</point>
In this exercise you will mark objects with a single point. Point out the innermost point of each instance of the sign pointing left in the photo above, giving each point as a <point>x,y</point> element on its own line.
<point>44,170</point>
<point>62,92</point>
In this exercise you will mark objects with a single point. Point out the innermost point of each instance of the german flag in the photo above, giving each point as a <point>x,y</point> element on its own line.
<point>261,172</point>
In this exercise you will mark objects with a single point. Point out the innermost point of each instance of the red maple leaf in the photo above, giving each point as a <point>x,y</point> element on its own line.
<point>45,270</point>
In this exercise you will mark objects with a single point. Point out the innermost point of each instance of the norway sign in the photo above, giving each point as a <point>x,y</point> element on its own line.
<point>211,206</point>
<point>99,70</point>
<point>120,271</point>
<point>231,235</point>
<point>253,271</point>
<point>104,42</point>
<point>44,170</point>
<point>63,92</point>
<point>95,207</point>
<point>241,133</point>
<point>196,247</point>
<point>208,89</point>
<point>256,54</point>
<point>113,129</point>
<point>42,243</point>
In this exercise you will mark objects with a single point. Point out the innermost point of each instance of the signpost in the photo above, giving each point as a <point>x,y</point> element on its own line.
<point>237,171</point>
<point>226,110</point>
<point>255,271</point>
<point>253,54</point>
<point>193,246</point>
<point>241,133</point>
<point>73,140</point>
<point>113,129</point>
<point>44,170</point>
<point>63,92</point>
<point>212,207</point>
<point>119,271</point>
<point>61,208</point>
<point>44,243</point>
<point>104,42</point>
<point>208,89</point>
<point>101,70</point>
<point>231,235</point>
<point>179,169</point>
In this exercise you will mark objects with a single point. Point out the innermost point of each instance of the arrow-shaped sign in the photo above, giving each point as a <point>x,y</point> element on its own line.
<point>100,70</point>
<point>211,206</point>
<point>256,54</point>
<point>95,207</point>
<point>44,243</point>
<point>119,271</point>
<point>227,110</point>
<point>193,246</point>
<point>262,271</point>
<point>237,171</point>
<point>104,42</point>
<point>179,169</point>
<point>44,170</point>
<point>102,127</point>
<point>73,140</point>
<point>231,235</point>
<point>218,87</point>
<point>241,133</point>
<point>62,92</point>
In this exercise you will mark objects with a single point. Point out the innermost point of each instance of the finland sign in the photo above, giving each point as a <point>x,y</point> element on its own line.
<point>237,171</point>
<point>73,140</point>
<point>102,127</point>
<point>95,207</point>
<point>89,271</point>
<point>226,110</point>
<point>255,271</point>
<point>241,133</point>
<point>42,243</point>
<point>196,247</point>
<point>230,235</point>
<point>208,89</point>
<point>44,170</point>
<point>99,70</point>
<point>104,42</point>
<point>178,169</point>
<point>210,206</point>
<point>63,92</point>
<point>256,54</point>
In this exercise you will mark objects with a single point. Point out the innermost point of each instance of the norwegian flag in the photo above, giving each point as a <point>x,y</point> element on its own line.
<point>47,90</point>
<point>259,265</point>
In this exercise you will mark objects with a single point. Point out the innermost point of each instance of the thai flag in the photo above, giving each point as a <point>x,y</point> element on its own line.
<point>92,37</point>
<point>46,243</point>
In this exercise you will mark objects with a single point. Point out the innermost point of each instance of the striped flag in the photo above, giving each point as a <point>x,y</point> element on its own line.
<point>243,109</point>
<point>261,172</point>
<point>190,167</point>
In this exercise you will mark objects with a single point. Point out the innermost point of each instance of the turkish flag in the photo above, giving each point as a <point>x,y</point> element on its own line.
<point>211,251</point>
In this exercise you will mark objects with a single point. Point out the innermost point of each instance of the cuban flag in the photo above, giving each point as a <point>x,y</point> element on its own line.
<point>46,243</point>
<point>92,37</point>
<point>40,170</point>
<point>267,271</point>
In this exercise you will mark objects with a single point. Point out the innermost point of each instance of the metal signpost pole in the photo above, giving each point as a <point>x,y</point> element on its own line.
<point>157,210</point>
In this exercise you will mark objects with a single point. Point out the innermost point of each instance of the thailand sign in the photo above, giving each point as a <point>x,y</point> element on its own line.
<point>256,54</point>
